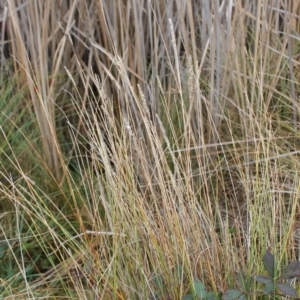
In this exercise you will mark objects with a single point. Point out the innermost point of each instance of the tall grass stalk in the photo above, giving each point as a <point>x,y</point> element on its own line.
<point>145,144</point>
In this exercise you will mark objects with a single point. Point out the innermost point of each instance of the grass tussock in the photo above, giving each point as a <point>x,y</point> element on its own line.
<point>145,144</point>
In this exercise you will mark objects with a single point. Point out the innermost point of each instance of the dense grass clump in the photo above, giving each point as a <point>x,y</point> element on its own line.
<point>149,149</point>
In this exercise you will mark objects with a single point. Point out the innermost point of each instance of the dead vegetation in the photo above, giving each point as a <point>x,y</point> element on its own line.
<point>144,137</point>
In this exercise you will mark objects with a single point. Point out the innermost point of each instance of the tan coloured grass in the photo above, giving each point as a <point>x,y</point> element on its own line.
<point>144,138</point>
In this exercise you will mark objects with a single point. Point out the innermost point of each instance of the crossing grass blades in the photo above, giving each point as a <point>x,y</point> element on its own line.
<point>271,286</point>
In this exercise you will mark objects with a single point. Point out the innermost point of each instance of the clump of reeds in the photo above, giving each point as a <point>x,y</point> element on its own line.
<point>146,140</point>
